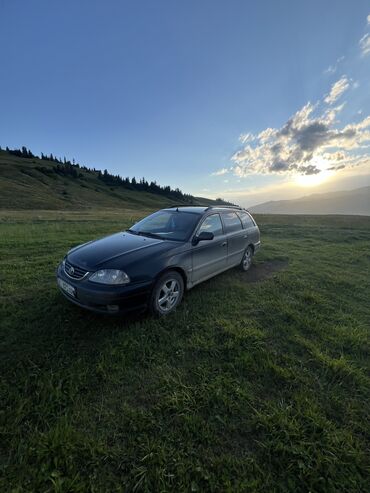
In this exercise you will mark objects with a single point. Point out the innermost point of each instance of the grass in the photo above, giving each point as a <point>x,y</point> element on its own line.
<point>247,387</point>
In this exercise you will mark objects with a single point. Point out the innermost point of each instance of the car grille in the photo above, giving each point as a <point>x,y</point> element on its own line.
<point>73,271</point>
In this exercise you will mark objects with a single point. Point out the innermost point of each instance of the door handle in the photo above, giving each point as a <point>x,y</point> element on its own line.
<point>224,243</point>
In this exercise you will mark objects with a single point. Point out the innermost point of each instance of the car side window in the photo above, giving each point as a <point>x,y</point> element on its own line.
<point>212,224</point>
<point>232,222</point>
<point>246,220</point>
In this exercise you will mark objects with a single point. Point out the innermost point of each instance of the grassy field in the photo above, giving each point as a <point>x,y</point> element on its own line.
<point>249,386</point>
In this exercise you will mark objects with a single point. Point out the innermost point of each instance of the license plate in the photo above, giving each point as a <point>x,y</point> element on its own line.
<point>67,287</point>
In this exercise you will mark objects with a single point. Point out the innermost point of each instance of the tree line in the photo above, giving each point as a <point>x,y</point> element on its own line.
<point>73,169</point>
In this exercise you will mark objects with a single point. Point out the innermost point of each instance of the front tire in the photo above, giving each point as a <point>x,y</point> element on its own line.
<point>167,293</point>
<point>247,259</point>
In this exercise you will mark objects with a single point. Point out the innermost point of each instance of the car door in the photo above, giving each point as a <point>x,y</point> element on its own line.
<point>249,227</point>
<point>209,257</point>
<point>236,238</point>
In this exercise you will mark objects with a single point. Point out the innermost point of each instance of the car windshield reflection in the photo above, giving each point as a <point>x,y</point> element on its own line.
<point>167,225</point>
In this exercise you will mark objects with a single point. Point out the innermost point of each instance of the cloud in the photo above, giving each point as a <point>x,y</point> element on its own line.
<point>248,137</point>
<point>330,70</point>
<point>337,90</point>
<point>365,44</point>
<point>311,141</point>
<point>220,172</point>
<point>333,68</point>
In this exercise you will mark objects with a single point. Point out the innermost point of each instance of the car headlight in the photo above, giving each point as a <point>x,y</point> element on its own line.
<point>110,276</point>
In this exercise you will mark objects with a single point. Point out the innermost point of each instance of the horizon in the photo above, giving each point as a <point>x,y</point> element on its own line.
<point>213,95</point>
<point>311,193</point>
<point>73,162</point>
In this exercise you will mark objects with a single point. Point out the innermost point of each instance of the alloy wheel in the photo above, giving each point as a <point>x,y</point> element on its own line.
<point>168,294</point>
<point>247,259</point>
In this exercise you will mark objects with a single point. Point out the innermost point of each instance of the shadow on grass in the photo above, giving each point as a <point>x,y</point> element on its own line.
<point>264,270</point>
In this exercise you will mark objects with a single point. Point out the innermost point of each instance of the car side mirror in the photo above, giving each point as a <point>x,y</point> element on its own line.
<point>203,236</point>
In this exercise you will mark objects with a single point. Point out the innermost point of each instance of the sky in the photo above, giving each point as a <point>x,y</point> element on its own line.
<point>249,101</point>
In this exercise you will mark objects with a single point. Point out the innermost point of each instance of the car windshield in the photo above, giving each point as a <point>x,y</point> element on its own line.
<point>167,225</point>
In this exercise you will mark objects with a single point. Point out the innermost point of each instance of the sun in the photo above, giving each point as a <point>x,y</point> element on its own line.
<point>313,180</point>
<point>317,179</point>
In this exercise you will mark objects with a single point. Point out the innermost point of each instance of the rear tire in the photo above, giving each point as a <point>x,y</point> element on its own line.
<point>246,262</point>
<point>167,293</point>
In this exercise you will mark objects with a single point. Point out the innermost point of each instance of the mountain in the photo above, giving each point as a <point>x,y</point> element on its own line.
<point>355,202</point>
<point>28,182</point>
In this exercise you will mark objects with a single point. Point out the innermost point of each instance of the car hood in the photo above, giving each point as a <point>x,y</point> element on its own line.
<point>116,250</point>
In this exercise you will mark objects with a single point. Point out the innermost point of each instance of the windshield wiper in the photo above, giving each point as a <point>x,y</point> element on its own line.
<point>150,235</point>
<point>132,231</point>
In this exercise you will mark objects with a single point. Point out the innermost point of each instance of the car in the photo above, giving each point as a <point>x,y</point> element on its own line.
<point>151,264</point>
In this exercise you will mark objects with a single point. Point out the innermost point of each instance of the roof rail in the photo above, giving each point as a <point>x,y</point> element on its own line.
<point>184,205</point>
<point>224,207</point>
<point>209,207</point>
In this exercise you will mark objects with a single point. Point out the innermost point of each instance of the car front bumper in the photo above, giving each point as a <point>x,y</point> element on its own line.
<point>107,299</point>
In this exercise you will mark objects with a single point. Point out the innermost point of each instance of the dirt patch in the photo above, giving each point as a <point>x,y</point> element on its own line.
<point>264,270</point>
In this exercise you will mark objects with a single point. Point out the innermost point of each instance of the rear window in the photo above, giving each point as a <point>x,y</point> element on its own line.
<point>246,220</point>
<point>232,222</point>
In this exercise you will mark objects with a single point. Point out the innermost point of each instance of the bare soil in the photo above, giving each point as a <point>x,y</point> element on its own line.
<point>264,270</point>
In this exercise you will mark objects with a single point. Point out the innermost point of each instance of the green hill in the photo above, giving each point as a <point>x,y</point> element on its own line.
<point>33,183</point>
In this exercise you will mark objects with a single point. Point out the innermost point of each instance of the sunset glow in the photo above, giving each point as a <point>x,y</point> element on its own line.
<point>312,180</point>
